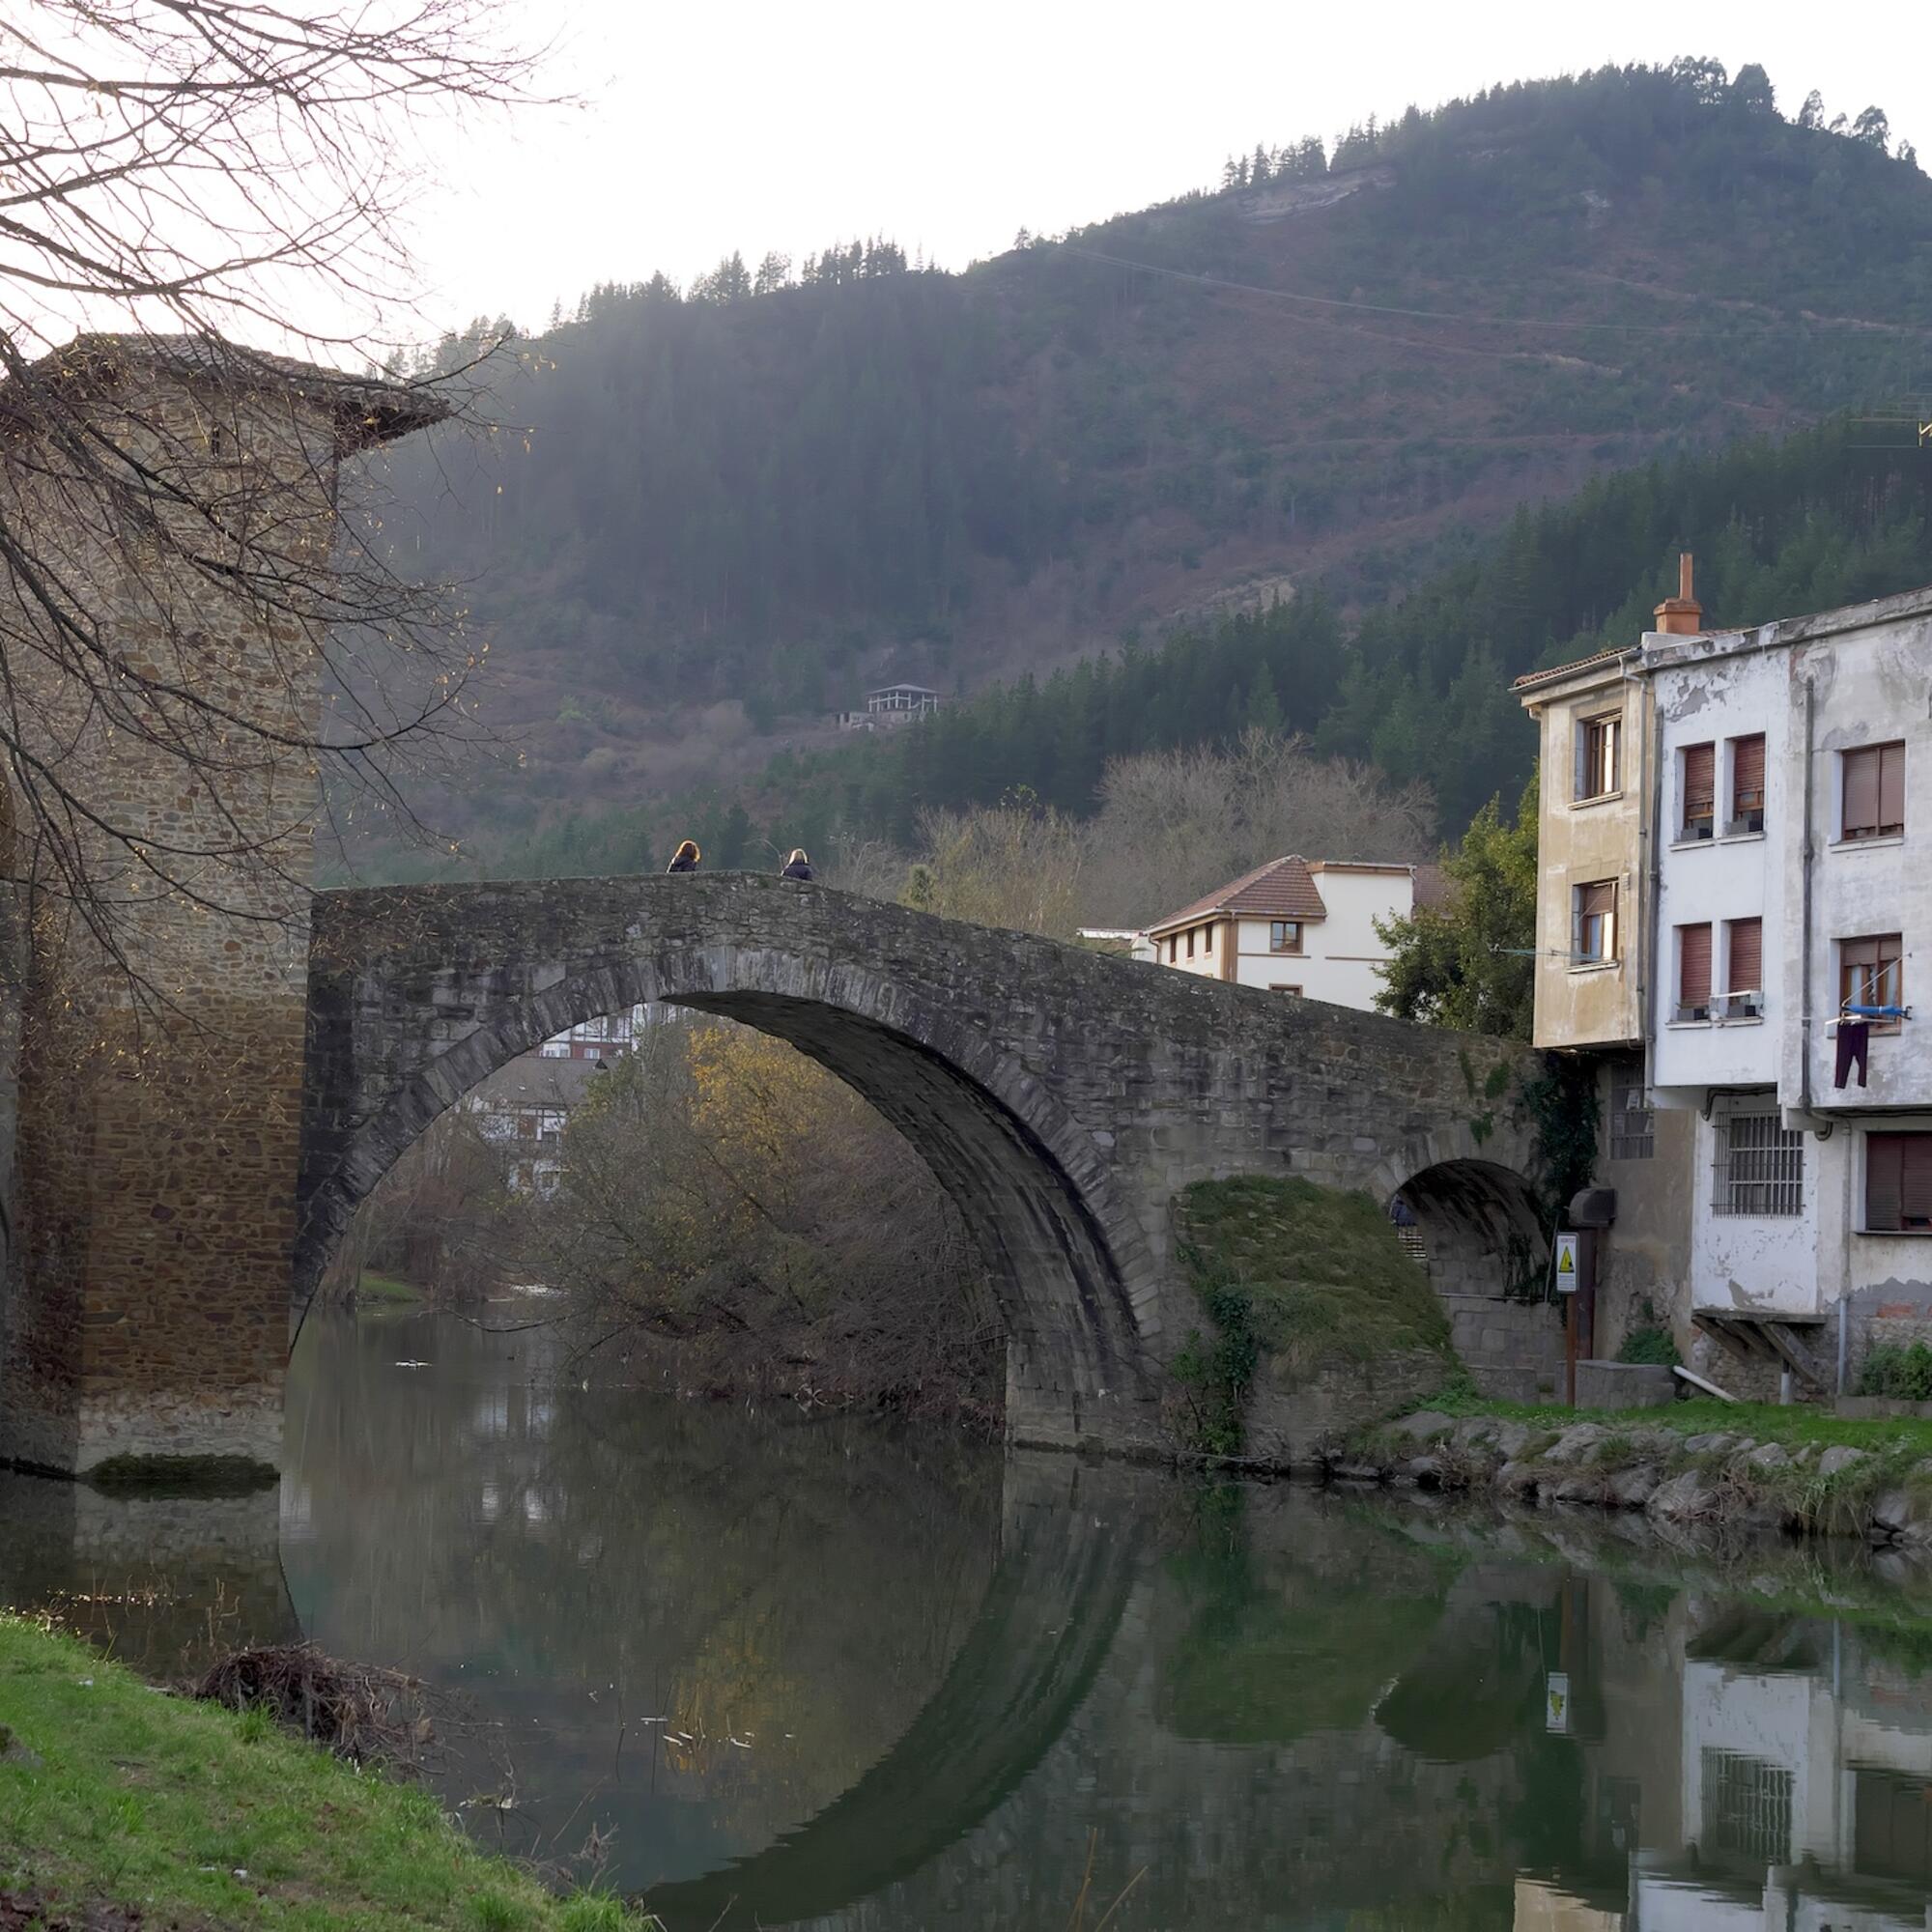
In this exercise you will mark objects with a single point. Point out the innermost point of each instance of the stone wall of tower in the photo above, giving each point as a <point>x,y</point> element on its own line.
<point>160,1056</point>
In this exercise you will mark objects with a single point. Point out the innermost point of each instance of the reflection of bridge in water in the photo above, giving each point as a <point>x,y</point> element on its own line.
<point>1069,1556</point>
<point>1306,1707</point>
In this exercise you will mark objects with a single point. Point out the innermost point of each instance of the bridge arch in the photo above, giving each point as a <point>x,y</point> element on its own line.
<point>1070,1264</point>
<point>1481,1223</point>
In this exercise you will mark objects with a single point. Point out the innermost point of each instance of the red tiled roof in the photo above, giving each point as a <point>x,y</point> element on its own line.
<point>1432,886</point>
<point>1282,888</point>
<point>1536,677</point>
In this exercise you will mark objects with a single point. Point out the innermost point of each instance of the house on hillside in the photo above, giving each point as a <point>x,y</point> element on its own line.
<point>1292,927</point>
<point>1734,919</point>
<point>889,705</point>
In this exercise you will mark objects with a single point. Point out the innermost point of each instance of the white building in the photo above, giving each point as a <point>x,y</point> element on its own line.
<point>889,705</point>
<point>1792,815</point>
<point>1291,926</point>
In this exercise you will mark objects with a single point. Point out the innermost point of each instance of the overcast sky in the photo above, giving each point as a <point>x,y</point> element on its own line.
<point>708,127</point>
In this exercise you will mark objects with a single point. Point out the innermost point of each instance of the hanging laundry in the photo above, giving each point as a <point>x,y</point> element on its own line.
<point>1853,1043</point>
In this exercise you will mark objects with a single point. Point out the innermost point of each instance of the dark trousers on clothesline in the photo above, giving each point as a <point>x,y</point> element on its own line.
<point>1853,1043</point>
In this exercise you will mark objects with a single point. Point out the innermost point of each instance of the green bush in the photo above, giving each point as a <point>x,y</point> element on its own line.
<point>1653,1345</point>
<point>1905,1373</point>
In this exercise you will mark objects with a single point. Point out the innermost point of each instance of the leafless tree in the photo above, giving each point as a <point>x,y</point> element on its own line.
<point>185,187</point>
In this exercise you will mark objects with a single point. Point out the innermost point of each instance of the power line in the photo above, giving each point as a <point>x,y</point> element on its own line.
<point>1440,315</point>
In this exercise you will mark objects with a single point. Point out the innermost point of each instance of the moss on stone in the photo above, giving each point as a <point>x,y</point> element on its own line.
<point>184,1475</point>
<point>1323,1274</point>
<point>1295,1279</point>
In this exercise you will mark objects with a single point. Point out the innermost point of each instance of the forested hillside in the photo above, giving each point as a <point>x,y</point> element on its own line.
<point>716,515</point>
<point>1417,685</point>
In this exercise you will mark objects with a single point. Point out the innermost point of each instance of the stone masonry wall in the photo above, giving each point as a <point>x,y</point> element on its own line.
<point>160,1101</point>
<point>1063,1099</point>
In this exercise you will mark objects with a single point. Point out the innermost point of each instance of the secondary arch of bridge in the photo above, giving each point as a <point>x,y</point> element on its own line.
<point>1077,1286</point>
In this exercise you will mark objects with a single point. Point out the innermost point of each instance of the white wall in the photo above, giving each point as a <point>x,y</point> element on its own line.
<point>1339,953</point>
<point>1706,700</point>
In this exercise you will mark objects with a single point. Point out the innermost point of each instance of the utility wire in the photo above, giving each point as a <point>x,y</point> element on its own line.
<point>1445,315</point>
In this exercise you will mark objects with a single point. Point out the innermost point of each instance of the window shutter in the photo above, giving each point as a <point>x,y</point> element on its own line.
<point>1890,760</point>
<point>1883,1159</point>
<point>1748,775</point>
<point>1914,1180</point>
<point>1700,790</point>
<point>1693,965</point>
<point>1600,898</point>
<point>1861,791</point>
<point>1747,966</point>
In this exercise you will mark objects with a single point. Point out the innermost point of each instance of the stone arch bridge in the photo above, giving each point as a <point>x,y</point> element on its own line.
<point>1061,1096</point>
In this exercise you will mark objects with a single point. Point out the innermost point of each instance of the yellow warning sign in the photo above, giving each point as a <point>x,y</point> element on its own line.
<point>1566,1264</point>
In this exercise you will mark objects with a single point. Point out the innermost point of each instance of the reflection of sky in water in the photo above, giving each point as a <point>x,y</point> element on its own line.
<point>929,1680</point>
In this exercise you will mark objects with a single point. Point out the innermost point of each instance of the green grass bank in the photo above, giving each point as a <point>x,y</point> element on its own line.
<point>114,1794</point>
<point>1801,1470</point>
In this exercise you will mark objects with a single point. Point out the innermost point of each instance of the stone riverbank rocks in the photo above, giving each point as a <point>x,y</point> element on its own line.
<point>1719,1477</point>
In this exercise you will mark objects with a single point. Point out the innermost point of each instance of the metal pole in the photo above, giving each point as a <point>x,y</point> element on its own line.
<point>1570,1350</point>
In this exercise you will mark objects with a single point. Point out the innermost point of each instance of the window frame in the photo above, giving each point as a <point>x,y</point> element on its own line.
<point>1851,760</point>
<point>1278,942</point>
<point>1604,728</point>
<point>1734,826</point>
<point>1607,954</point>
<point>1278,986</point>
<point>1633,1115</point>
<point>1702,829</point>
<point>1890,1143</point>
<point>1766,1191</point>
<point>1878,941</point>
<point>1691,1011</point>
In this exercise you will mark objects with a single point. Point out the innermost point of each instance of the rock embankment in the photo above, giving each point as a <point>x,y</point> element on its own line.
<point>1723,1477</point>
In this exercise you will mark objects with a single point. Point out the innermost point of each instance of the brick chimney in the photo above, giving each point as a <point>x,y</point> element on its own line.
<point>1681,614</point>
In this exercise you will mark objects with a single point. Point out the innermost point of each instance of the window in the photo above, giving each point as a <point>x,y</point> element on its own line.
<point>1697,783</point>
<point>1599,745</point>
<point>1633,1124</point>
<point>1208,939</point>
<point>1898,1183</point>
<point>1760,1166</point>
<point>1874,791</point>
<point>1746,1808</point>
<point>1743,970</point>
<point>555,1049</point>
<point>1746,813</point>
<point>1593,923</point>
<point>1693,972</point>
<point>1172,949</point>
<point>1872,973</point>
<point>1283,935</point>
<point>1191,942</point>
<point>1278,988</point>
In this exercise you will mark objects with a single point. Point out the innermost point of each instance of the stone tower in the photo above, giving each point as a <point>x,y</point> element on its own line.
<point>150,1028</point>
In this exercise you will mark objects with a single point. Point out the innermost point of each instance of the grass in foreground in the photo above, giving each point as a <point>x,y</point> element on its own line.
<point>111,1792</point>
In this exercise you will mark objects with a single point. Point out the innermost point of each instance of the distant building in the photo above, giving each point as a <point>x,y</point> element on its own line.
<point>889,705</point>
<point>524,1106</point>
<point>1291,926</point>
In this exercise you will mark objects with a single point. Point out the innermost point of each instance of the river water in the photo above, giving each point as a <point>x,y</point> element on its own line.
<point>777,1670</point>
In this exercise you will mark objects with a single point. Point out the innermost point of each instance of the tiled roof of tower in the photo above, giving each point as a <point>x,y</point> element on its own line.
<point>1282,888</point>
<point>366,409</point>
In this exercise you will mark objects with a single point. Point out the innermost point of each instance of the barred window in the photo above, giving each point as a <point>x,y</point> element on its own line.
<point>1746,1808</point>
<point>1760,1166</point>
<point>1633,1124</point>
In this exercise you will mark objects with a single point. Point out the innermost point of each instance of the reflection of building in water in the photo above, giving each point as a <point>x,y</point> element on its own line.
<point>1793,1790</point>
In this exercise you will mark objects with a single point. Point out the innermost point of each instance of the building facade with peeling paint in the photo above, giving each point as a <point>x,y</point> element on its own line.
<point>1775,929</point>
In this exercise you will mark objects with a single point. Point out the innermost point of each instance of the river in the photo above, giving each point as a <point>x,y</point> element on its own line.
<point>775,1669</point>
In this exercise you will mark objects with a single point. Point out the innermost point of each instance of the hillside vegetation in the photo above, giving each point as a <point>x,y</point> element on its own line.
<point>715,516</point>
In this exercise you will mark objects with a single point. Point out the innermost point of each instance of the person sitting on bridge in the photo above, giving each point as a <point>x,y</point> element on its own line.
<point>685,859</point>
<point>798,865</point>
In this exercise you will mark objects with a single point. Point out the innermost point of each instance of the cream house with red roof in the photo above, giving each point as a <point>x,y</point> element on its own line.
<point>1291,926</point>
